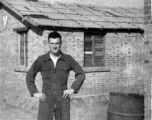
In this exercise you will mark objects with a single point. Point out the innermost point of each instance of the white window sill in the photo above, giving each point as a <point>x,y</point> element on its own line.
<point>21,69</point>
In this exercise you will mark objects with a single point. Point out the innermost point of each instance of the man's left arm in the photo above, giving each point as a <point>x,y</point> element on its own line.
<point>79,75</point>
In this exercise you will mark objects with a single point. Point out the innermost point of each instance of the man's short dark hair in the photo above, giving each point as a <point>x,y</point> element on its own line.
<point>54,35</point>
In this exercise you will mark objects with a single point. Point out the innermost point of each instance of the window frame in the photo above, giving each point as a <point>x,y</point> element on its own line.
<point>94,49</point>
<point>18,32</point>
<point>21,68</point>
<point>25,39</point>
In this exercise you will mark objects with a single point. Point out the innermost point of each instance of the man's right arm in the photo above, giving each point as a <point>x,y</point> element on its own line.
<point>30,81</point>
<point>30,77</point>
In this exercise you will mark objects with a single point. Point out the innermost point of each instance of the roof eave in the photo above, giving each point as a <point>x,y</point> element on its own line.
<point>59,28</point>
<point>30,21</point>
<point>25,18</point>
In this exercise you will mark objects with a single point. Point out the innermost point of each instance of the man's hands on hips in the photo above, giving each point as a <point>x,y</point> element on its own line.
<point>40,96</point>
<point>67,93</point>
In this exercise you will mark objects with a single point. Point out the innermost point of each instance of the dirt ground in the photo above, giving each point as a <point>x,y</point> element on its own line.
<point>8,112</point>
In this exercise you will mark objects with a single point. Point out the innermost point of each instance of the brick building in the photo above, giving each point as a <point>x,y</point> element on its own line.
<point>108,43</point>
<point>147,57</point>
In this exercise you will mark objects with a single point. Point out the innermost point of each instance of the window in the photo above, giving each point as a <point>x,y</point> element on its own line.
<point>22,42</point>
<point>94,49</point>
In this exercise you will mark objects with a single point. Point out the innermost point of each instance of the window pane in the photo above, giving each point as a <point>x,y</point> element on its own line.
<point>88,60</point>
<point>99,53</point>
<point>21,45</point>
<point>21,60</point>
<point>88,46</point>
<point>21,36</point>
<point>88,37</point>
<point>22,48</point>
<point>88,63</point>
<point>99,37</point>
<point>26,49</point>
<point>99,45</point>
<point>21,42</point>
<point>99,62</point>
<point>88,56</point>
<point>22,53</point>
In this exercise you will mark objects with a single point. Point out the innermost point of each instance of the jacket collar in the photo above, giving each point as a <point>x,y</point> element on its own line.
<point>47,56</point>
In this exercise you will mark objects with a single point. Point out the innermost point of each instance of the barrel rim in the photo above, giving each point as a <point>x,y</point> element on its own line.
<point>126,114</point>
<point>127,94</point>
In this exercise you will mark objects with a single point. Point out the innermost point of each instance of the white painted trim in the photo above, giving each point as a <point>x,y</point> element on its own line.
<point>88,52</point>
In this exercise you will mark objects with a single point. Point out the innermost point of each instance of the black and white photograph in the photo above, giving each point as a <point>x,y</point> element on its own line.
<point>75,59</point>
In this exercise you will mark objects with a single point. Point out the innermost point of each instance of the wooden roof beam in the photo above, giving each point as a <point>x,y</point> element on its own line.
<point>22,29</point>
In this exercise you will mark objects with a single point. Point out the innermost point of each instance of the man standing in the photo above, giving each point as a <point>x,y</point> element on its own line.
<point>54,67</point>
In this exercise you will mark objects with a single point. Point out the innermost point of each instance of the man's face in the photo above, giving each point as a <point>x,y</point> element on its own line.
<point>55,45</point>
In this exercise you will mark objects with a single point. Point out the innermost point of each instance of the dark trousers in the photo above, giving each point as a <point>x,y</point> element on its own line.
<point>54,105</point>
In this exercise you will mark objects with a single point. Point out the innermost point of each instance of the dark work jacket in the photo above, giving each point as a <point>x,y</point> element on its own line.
<point>54,78</point>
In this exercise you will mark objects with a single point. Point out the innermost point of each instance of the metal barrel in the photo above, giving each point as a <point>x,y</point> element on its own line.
<point>125,106</point>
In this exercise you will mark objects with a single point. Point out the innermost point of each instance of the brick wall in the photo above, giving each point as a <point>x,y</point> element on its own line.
<point>123,58</point>
<point>8,54</point>
<point>148,57</point>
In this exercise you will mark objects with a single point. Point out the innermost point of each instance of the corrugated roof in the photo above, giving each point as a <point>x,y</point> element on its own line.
<point>76,15</point>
